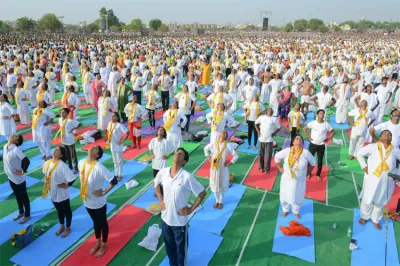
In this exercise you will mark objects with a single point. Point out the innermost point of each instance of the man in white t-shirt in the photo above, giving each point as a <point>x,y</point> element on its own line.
<point>319,135</point>
<point>138,83</point>
<point>177,184</point>
<point>12,84</point>
<point>384,94</point>
<point>165,82</point>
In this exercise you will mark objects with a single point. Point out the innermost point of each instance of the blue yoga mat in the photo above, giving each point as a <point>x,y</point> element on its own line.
<point>302,247</point>
<point>208,111</point>
<point>3,139</point>
<point>336,125</point>
<point>90,121</point>
<point>36,161</point>
<point>239,112</point>
<point>28,144</point>
<point>39,208</point>
<point>243,127</point>
<point>50,246</point>
<point>200,102</point>
<point>310,117</point>
<point>243,148</point>
<point>6,191</point>
<point>146,199</point>
<point>214,220</point>
<point>202,247</point>
<point>287,144</point>
<point>372,243</point>
<point>129,170</point>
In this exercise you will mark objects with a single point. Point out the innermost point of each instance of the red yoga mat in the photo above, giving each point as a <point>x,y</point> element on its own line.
<point>130,154</point>
<point>20,126</point>
<point>159,114</point>
<point>204,171</point>
<point>262,180</point>
<point>29,135</point>
<point>79,132</point>
<point>123,227</point>
<point>393,201</point>
<point>100,142</point>
<point>317,189</point>
<point>85,106</point>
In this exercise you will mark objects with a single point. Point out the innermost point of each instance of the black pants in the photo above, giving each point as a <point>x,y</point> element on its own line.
<point>265,155</point>
<point>64,211</point>
<point>155,172</point>
<point>293,134</point>
<point>185,70</point>
<point>165,100</point>
<point>24,206</point>
<point>138,96</point>
<point>186,128</point>
<point>100,223</point>
<point>176,241</point>
<point>251,130</point>
<point>71,156</point>
<point>152,118</point>
<point>320,149</point>
<point>228,71</point>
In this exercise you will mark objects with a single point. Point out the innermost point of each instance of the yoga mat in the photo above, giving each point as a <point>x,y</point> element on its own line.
<point>213,220</point>
<point>287,144</point>
<point>50,246</point>
<point>20,126</point>
<point>243,127</point>
<point>196,115</point>
<point>204,170</point>
<point>188,146</point>
<point>201,249</point>
<point>230,134</point>
<point>78,133</point>
<point>372,243</point>
<point>129,170</point>
<point>393,201</point>
<point>6,191</point>
<point>239,112</point>
<point>200,102</point>
<point>3,139</point>
<point>339,126</point>
<point>90,121</point>
<point>309,118</point>
<point>301,247</point>
<point>85,106</point>
<point>39,208</point>
<point>28,144</point>
<point>36,161</point>
<point>262,180</point>
<point>121,232</point>
<point>317,189</point>
<point>158,114</point>
<point>148,131</point>
<point>130,154</point>
<point>243,148</point>
<point>100,142</point>
<point>146,199</point>
<point>29,135</point>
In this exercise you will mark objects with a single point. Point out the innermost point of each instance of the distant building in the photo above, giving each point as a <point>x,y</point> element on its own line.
<point>173,26</point>
<point>346,27</point>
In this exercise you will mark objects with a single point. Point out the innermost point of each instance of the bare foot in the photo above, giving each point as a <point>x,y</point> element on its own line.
<point>267,171</point>
<point>319,178</point>
<point>308,176</point>
<point>220,206</point>
<point>102,250</point>
<point>284,214</point>
<point>133,147</point>
<point>297,216</point>
<point>66,232</point>
<point>215,205</point>
<point>95,248</point>
<point>377,226</point>
<point>24,220</point>
<point>262,170</point>
<point>138,147</point>
<point>351,158</point>
<point>60,230</point>
<point>255,148</point>
<point>248,147</point>
<point>362,221</point>
<point>18,216</point>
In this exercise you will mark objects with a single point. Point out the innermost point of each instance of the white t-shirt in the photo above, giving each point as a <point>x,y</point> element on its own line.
<point>292,115</point>
<point>116,132</point>
<point>249,92</point>
<point>139,82</point>
<point>159,149</point>
<point>319,131</point>
<point>253,110</point>
<point>177,191</point>
<point>394,129</point>
<point>182,100</point>
<point>11,80</point>
<point>62,175</point>
<point>383,93</point>
<point>268,125</point>
<point>96,180</point>
<point>165,82</point>
<point>12,158</point>
<point>68,138</point>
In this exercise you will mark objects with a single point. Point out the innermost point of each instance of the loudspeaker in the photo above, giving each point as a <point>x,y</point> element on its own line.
<point>265,24</point>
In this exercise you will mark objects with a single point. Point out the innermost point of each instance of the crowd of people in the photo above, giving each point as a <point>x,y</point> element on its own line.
<point>278,82</point>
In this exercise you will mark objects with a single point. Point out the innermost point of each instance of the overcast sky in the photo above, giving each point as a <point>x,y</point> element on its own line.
<point>205,11</point>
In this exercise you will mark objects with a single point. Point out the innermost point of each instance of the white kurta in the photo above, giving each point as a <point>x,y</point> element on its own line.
<point>23,108</point>
<point>73,99</point>
<point>227,120</point>
<point>292,190</point>
<point>61,175</point>
<point>342,103</point>
<point>42,133</point>
<point>139,113</point>
<point>174,134</point>
<point>103,120</point>
<point>7,126</point>
<point>160,149</point>
<point>112,83</point>
<point>219,177</point>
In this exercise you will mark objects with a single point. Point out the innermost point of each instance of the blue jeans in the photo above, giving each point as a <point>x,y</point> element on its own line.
<point>175,244</point>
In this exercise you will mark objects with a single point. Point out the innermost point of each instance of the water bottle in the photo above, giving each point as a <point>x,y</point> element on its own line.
<point>349,232</point>
<point>334,226</point>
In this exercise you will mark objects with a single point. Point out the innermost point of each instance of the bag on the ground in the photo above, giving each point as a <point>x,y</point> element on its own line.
<point>197,138</point>
<point>23,237</point>
<point>96,135</point>
<point>150,241</point>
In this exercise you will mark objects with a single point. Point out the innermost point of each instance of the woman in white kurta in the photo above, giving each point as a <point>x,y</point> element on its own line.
<point>87,79</point>
<point>372,100</point>
<point>378,187</point>
<point>252,111</point>
<point>58,178</point>
<point>7,124</point>
<point>174,120</point>
<point>294,171</point>
<point>342,102</point>
<point>135,113</point>
<point>217,154</point>
<point>107,106</point>
<point>22,97</point>
<point>44,94</point>
<point>218,120</point>
<point>276,86</point>
<point>41,128</point>
<point>296,81</point>
<point>71,101</point>
<point>115,140</point>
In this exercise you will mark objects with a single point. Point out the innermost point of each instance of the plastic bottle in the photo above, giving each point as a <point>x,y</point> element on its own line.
<point>334,226</point>
<point>349,232</point>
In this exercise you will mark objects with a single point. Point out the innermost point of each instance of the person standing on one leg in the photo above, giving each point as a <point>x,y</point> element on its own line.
<point>318,137</point>
<point>174,208</point>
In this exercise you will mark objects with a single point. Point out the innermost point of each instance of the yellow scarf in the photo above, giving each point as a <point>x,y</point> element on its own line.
<point>219,100</point>
<point>362,115</point>
<point>110,132</point>
<point>171,118</point>
<point>132,112</point>
<point>216,120</point>
<point>134,81</point>
<point>62,129</point>
<point>293,157</point>
<point>65,99</point>
<point>151,99</point>
<point>163,81</point>
<point>172,71</point>
<point>40,95</point>
<point>217,157</point>
<point>258,111</point>
<point>86,78</point>
<point>105,106</point>
<point>232,81</point>
<point>48,176</point>
<point>85,179</point>
<point>16,95</point>
<point>48,75</point>
<point>383,166</point>
<point>37,113</point>
<point>297,114</point>
<point>186,95</point>
<point>16,70</point>
<point>26,84</point>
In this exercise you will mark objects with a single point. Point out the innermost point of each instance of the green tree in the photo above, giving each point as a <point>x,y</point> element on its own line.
<point>136,25</point>
<point>114,28</point>
<point>5,27</point>
<point>337,28</point>
<point>49,22</point>
<point>315,24</point>
<point>92,27</point>
<point>365,24</point>
<point>163,28</point>
<point>351,23</point>
<point>155,23</point>
<point>288,27</point>
<point>274,28</point>
<point>300,25</point>
<point>323,28</point>
<point>25,24</point>
<point>107,19</point>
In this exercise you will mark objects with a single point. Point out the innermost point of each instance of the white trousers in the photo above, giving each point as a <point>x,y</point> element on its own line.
<point>356,142</point>
<point>88,93</point>
<point>33,98</point>
<point>286,207</point>
<point>219,197</point>
<point>380,110</point>
<point>44,148</point>
<point>118,162</point>
<point>371,211</point>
